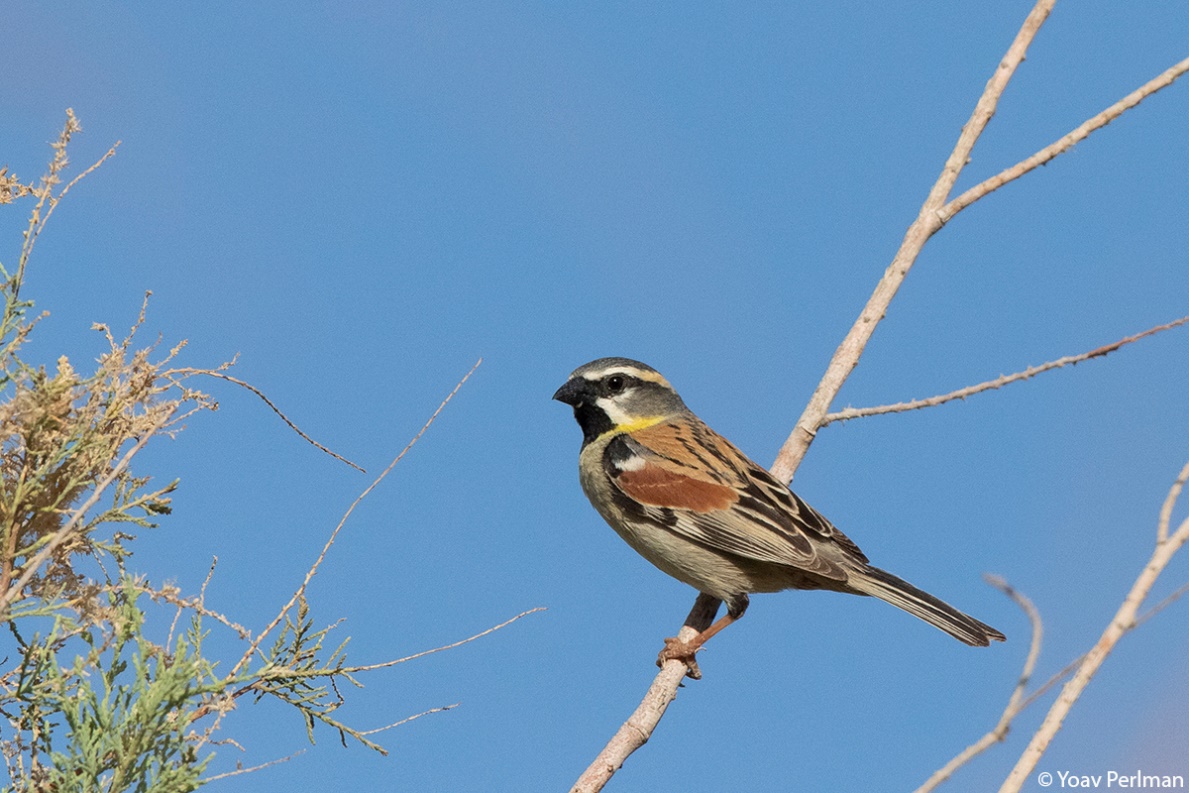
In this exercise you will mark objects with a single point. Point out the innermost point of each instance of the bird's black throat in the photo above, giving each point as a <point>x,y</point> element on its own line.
<point>593,420</point>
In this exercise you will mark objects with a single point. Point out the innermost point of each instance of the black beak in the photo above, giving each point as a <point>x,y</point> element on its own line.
<point>572,393</point>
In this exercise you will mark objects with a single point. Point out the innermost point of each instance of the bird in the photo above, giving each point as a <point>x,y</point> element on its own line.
<point>696,507</point>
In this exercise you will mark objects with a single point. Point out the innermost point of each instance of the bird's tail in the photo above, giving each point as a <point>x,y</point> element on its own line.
<point>900,593</point>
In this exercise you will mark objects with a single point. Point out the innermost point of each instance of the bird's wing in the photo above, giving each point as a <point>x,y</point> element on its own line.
<point>691,480</point>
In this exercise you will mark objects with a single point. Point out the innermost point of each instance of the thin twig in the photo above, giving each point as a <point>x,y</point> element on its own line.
<point>451,646</point>
<point>999,382</point>
<point>255,645</point>
<point>62,534</point>
<point>221,704</point>
<point>54,201</point>
<point>1123,622</point>
<point>1066,142</point>
<point>107,156</point>
<point>267,401</point>
<point>193,604</point>
<point>1015,703</point>
<point>45,195</point>
<point>1171,598</point>
<point>239,771</point>
<point>408,719</point>
<point>206,581</point>
<point>927,223</point>
<point>201,601</point>
<point>1176,595</point>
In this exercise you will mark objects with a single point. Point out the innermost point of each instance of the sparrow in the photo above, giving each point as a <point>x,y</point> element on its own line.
<point>687,500</point>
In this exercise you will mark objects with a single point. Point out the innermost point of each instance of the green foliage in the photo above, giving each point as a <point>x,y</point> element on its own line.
<point>101,707</point>
<point>88,701</point>
<point>294,673</point>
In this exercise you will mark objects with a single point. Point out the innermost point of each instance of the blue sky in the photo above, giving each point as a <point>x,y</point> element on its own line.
<point>361,201</point>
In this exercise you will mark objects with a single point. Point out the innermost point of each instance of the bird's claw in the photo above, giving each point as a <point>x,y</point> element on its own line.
<point>677,650</point>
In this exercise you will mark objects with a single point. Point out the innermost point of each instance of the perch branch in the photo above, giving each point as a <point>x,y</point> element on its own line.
<point>639,727</point>
<point>636,731</point>
<point>934,213</point>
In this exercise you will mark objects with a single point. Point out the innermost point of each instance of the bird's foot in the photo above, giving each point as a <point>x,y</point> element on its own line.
<point>678,650</point>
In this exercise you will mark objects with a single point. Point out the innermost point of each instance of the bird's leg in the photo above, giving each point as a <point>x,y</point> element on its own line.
<point>676,649</point>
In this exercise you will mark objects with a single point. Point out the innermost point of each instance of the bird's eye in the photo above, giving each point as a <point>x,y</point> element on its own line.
<point>615,383</point>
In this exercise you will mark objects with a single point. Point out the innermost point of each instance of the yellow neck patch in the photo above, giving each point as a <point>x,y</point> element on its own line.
<point>634,425</point>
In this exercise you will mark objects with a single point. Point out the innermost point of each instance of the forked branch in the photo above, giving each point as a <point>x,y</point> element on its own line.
<point>1016,705</point>
<point>1125,620</point>
<point>1065,142</point>
<point>927,223</point>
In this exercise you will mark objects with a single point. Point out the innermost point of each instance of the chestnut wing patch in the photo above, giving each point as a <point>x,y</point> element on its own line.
<point>695,482</point>
<point>658,486</point>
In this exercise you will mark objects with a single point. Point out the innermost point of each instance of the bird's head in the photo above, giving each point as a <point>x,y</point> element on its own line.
<point>618,395</point>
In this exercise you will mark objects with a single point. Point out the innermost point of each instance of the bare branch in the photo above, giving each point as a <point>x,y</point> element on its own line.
<point>408,719</point>
<point>1170,501</point>
<point>1072,665</point>
<point>928,222</point>
<point>1018,703</point>
<point>1066,142</point>
<point>636,731</point>
<point>1015,703</point>
<point>206,581</point>
<point>255,645</point>
<point>267,401</point>
<point>422,654</point>
<point>1123,622</point>
<point>998,382</point>
<point>239,771</point>
<point>1173,597</point>
<point>48,197</point>
<point>94,166</point>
